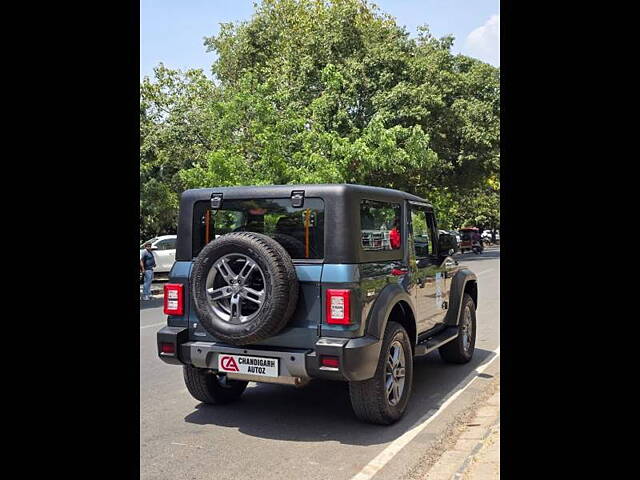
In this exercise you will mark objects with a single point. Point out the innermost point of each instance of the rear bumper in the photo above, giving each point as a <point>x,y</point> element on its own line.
<point>358,357</point>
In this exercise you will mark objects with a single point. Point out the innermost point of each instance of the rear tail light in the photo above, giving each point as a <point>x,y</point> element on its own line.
<point>167,348</point>
<point>338,307</point>
<point>327,361</point>
<point>174,299</point>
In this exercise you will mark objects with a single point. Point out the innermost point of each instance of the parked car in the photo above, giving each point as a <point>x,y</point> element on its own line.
<point>284,284</point>
<point>164,251</point>
<point>456,234</point>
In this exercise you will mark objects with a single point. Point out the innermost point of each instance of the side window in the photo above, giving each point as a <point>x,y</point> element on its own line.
<point>171,244</point>
<point>421,234</point>
<point>380,226</point>
<point>431,223</point>
<point>423,228</point>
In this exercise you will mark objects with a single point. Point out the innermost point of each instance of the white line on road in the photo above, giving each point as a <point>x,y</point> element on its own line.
<point>375,465</point>
<point>154,325</point>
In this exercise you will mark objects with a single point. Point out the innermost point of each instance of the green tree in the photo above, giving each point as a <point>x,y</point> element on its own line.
<point>313,91</point>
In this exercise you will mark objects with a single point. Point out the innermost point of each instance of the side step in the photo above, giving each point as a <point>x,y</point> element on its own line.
<point>436,341</point>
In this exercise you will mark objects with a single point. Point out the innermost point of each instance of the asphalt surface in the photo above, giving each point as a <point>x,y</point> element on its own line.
<point>277,432</point>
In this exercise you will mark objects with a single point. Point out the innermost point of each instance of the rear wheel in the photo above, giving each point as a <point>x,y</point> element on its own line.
<point>460,349</point>
<point>209,387</point>
<point>383,398</point>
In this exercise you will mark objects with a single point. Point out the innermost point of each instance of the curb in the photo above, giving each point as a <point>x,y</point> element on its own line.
<point>456,461</point>
<point>471,457</point>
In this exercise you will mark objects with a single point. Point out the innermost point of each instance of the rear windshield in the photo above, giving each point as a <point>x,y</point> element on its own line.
<point>299,230</point>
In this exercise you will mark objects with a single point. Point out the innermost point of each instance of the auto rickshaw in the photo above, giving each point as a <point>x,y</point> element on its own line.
<point>470,240</point>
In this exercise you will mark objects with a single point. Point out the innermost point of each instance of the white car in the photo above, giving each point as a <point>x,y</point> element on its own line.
<point>164,251</point>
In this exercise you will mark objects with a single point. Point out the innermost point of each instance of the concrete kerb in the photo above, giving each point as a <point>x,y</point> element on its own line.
<point>457,461</point>
<point>459,474</point>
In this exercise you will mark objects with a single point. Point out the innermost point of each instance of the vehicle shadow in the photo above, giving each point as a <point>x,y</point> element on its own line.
<point>322,410</point>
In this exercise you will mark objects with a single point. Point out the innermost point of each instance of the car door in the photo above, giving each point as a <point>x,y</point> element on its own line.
<point>171,252</point>
<point>429,277</point>
<point>163,258</point>
<point>445,268</point>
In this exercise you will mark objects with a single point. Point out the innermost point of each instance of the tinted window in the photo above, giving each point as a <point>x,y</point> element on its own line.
<point>299,230</point>
<point>424,232</point>
<point>421,234</point>
<point>380,226</point>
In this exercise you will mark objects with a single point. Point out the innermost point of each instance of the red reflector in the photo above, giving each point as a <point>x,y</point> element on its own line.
<point>174,299</point>
<point>167,348</point>
<point>338,311</point>
<point>333,362</point>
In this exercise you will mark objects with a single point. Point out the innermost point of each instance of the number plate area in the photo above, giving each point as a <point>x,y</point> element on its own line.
<point>249,365</point>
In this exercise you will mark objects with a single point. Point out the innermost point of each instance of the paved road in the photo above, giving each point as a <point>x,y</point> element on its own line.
<point>277,432</point>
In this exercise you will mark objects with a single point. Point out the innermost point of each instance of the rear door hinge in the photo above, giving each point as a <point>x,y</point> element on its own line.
<point>216,201</point>
<point>297,198</point>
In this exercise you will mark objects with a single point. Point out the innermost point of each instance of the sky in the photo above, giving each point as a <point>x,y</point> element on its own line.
<point>172,31</point>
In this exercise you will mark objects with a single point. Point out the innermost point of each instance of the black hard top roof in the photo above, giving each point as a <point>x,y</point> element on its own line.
<point>311,190</point>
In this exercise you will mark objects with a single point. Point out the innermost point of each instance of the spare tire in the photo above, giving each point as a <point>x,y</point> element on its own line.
<point>244,287</point>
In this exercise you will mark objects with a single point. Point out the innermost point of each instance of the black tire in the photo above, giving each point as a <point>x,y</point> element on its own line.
<point>455,351</point>
<point>280,287</point>
<point>293,246</point>
<point>204,385</point>
<point>368,398</point>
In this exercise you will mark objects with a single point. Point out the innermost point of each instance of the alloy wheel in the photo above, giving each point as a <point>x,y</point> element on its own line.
<point>236,288</point>
<point>395,373</point>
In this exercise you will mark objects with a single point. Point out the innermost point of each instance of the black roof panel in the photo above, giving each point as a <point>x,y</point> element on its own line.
<point>311,190</point>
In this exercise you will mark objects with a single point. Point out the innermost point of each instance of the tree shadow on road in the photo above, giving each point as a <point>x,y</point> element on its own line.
<point>322,410</point>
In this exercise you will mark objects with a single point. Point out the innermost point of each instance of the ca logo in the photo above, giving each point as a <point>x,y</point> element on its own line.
<point>229,363</point>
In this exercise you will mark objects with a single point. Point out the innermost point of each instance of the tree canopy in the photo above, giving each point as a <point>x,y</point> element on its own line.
<point>315,91</point>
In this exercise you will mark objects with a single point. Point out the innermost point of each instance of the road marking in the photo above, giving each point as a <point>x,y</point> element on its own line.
<point>375,465</point>
<point>154,325</point>
<point>485,271</point>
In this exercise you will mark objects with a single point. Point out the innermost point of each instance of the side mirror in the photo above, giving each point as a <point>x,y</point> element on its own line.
<point>446,242</point>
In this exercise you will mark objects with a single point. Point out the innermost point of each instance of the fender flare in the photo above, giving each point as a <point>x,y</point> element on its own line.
<point>458,285</point>
<point>386,301</point>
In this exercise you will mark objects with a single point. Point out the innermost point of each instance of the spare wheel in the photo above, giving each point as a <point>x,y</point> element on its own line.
<point>244,287</point>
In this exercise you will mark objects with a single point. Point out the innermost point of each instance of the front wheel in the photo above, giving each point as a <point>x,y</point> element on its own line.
<point>383,398</point>
<point>460,349</point>
<point>208,387</point>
